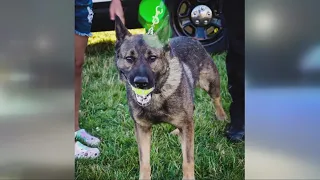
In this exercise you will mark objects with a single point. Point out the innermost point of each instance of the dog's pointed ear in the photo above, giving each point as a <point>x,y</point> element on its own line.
<point>121,30</point>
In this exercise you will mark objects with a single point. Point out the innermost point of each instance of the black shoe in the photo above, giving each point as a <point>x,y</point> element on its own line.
<point>235,134</point>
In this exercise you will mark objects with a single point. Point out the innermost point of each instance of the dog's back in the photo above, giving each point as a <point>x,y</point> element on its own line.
<point>188,50</point>
<point>193,56</point>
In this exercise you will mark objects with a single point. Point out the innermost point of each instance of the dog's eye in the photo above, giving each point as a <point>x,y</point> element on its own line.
<point>130,59</point>
<point>152,58</point>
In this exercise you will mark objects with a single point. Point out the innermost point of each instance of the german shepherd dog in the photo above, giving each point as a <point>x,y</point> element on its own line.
<point>171,70</point>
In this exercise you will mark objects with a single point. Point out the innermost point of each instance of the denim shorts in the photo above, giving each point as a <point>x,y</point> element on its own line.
<point>83,17</point>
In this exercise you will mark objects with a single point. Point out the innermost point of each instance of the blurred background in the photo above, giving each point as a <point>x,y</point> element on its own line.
<point>282,43</point>
<point>282,89</point>
<point>36,117</point>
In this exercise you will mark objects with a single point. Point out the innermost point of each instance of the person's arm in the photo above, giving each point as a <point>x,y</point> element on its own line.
<point>116,9</point>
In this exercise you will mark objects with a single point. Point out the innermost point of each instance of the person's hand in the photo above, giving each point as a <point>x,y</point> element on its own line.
<point>116,9</point>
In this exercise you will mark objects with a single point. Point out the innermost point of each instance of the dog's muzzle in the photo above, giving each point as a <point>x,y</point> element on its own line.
<point>143,96</point>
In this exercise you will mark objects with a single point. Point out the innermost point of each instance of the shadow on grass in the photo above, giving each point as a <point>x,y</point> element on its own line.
<point>99,48</point>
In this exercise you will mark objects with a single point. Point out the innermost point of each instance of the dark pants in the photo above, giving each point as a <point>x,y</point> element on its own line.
<point>234,19</point>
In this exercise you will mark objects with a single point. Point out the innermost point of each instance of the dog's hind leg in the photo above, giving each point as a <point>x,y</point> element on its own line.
<point>175,132</point>
<point>143,136</point>
<point>209,80</point>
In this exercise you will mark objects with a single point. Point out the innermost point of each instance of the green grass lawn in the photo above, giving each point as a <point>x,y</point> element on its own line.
<point>104,113</point>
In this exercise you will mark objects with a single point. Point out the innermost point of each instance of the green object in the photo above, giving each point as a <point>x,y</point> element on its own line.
<point>147,9</point>
<point>142,92</point>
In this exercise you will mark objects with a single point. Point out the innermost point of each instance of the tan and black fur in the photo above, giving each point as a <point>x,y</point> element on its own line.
<point>174,69</point>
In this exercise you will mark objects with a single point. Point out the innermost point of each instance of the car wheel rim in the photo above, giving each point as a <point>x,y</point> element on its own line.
<point>198,19</point>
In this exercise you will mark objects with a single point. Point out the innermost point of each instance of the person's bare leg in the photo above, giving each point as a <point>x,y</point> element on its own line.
<point>83,19</point>
<point>80,47</point>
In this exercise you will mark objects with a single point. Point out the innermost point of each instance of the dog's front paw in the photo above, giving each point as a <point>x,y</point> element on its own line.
<point>144,178</point>
<point>145,173</point>
<point>191,177</point>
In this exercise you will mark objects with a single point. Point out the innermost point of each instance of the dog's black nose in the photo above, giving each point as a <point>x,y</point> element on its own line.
<point>141,82</point>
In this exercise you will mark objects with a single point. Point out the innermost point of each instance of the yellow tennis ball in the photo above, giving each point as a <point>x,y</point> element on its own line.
<point>142,92</point>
